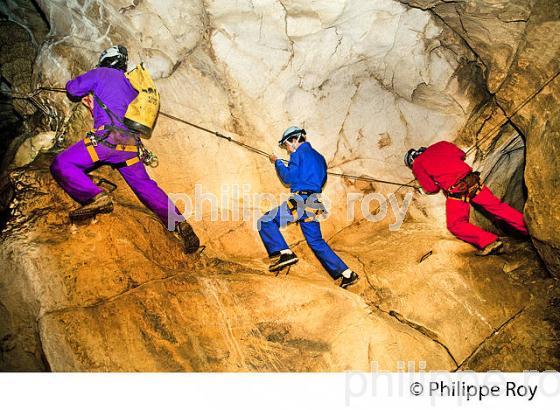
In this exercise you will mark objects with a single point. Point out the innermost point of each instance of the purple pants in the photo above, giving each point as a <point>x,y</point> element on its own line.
<point>70,168</point>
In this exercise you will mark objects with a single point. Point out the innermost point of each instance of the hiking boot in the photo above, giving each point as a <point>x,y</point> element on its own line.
<point>184,232</point>
<point>285,259</point>
<point>100,204</point>
<point>350,280</point>
<point>492,249</point>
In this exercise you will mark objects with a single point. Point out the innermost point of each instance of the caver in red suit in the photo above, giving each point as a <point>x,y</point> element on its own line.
<point>442,166</point>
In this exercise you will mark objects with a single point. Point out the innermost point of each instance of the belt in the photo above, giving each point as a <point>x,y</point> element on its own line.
<point>103,140</point>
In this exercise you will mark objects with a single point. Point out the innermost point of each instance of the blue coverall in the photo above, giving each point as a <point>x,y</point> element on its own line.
<point>306,172</point>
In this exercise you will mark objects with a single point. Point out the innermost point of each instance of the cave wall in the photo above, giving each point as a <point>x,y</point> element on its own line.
<point>367,80</point>
<point>502,167</point>
<point>517,43</point>
<point>252,69</point>
<point>22,30</point>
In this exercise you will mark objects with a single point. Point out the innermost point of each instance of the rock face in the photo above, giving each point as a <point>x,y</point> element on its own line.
<point>516,42</point>
<point>494,30</point>
<point>118,295</point>
<point>367,80</point>
<point>21,31</point>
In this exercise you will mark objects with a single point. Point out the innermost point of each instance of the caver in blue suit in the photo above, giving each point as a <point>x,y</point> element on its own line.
<point>306,174</point>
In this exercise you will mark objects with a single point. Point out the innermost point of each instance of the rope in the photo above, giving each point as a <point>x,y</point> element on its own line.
<point>255,150</point>
<point>37,91</point>
<point>515,111</point>
<point>49,112</point>
<point>264,153</point>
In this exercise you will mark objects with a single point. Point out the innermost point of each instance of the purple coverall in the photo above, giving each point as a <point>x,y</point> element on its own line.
<point>70,167</point>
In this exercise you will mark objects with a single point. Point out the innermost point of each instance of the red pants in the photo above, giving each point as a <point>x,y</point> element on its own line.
<point>458,218</point>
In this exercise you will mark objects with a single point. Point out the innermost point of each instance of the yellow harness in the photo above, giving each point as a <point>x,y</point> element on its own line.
<point>313,212</point>
<point>92,143</point>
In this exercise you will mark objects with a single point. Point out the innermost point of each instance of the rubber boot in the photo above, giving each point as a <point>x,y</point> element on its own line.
<point>185,234</point>
<point>100,204</point>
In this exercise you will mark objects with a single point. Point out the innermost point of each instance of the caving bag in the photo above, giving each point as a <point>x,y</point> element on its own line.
<point>143,110</point>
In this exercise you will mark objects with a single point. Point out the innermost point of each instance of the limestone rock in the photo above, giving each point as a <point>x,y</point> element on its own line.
<point>516,41</point>
<point>538,64</point>
<point>368,80</point>
<point>494,30</point>
<point>119,295</point>
<point>438,285</point>
<point>352,73</point>
<point>31,147</point>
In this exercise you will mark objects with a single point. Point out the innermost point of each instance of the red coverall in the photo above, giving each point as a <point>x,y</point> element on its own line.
<point>441,166</point>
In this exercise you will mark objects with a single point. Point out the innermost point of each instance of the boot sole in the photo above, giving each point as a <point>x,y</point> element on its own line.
<point>350,283</point>
<point>494,251</point>
<point>80,215</point>
<point>278,267</point>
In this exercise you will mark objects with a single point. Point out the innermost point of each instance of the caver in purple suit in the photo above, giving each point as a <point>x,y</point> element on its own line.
<point>70,167</point>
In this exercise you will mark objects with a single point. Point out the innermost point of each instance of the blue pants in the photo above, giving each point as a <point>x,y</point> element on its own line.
<point>269,230</point>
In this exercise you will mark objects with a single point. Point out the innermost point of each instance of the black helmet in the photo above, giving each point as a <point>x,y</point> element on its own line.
<point>114,57</point>
<point>412,154</point>
<point>291,132</point>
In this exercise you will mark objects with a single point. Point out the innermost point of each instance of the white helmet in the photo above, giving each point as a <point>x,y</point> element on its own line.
<point>291,132</point>
<point>114,57</point>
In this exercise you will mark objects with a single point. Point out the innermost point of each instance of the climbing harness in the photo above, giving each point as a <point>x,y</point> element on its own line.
<point>148,157</point>
<point>466,188</point>
<point>298,207</point>
<point>91,142</point>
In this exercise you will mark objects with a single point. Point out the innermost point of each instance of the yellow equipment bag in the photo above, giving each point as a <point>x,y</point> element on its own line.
<point>143,110</point>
